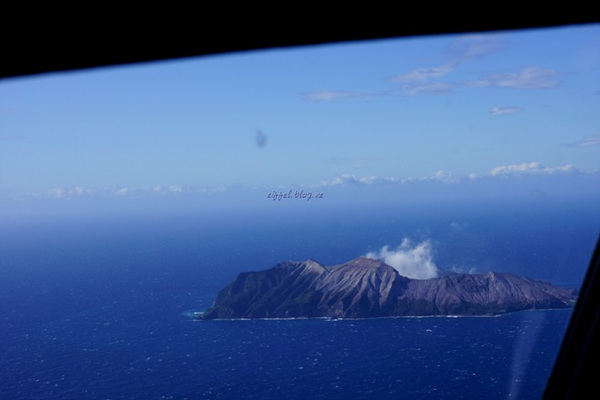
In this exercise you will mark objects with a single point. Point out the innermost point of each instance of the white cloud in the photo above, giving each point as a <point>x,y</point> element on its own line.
<point>412,261</point>
<point>351,179</point>
<point>393,179</point>
<point>63,193</point>
<point>423,74</point>
<point>469,47</point>
<point>527,78</point>
<point>506,110</point>
<point>57,192</point>
<point>422,81</point>
<point>444,176</point>
<point>121,192</point>
<point>440,176</point>
<point>529,168</point>
<point>68,193</point>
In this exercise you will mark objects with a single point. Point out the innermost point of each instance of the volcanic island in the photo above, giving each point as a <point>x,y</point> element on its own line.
<point>369,288</point>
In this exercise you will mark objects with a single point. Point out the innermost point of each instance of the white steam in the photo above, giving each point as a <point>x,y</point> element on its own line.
<point>412,261</point>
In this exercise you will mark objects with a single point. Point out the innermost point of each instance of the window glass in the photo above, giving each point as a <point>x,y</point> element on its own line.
<point>130,196</point>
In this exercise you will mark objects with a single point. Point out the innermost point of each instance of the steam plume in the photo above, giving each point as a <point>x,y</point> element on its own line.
<point>412,261</point>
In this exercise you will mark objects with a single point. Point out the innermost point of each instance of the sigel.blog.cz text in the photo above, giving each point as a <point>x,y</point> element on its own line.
<point>293,194</point>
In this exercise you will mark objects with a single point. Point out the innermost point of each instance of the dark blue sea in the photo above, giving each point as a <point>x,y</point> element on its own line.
<point>100,307</point>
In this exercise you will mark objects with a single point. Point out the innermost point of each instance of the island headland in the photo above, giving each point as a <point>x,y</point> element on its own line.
<point>368,288</point>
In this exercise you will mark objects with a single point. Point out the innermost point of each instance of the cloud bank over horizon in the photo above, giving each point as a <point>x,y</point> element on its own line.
<point>414,261</point>
<point>508,172</point>
<point>504,171</point>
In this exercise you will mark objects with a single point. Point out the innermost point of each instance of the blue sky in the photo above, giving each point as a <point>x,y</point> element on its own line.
<point>448,110</point>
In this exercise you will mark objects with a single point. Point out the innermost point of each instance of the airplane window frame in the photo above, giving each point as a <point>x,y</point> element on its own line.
<point>50,52</point>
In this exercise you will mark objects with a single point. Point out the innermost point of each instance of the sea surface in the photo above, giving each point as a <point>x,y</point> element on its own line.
<point>101,308</point>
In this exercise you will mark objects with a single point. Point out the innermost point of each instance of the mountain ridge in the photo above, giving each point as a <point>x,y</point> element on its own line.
<point>367,288</point>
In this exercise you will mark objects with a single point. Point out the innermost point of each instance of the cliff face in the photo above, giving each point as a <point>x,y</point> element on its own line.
<point>366,288</point>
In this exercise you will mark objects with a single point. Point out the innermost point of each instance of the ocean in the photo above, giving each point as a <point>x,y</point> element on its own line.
<point>103,308</point>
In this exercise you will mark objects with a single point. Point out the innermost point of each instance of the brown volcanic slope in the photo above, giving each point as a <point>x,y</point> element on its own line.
<point>367,288</point>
